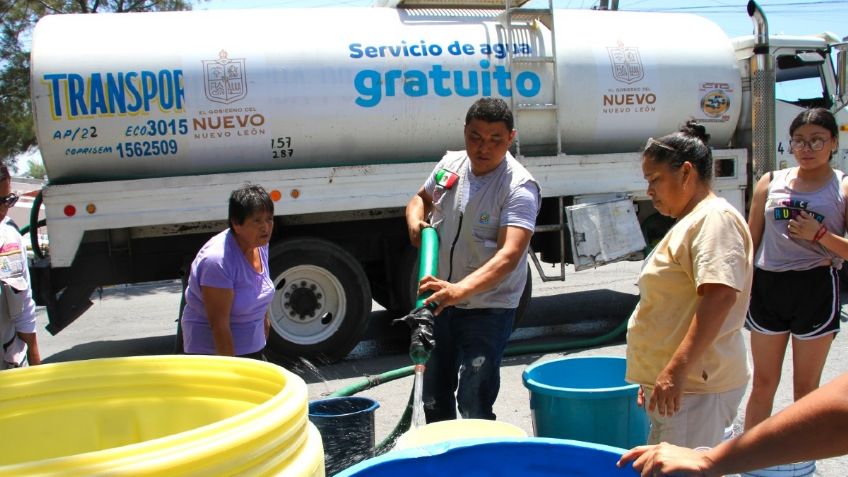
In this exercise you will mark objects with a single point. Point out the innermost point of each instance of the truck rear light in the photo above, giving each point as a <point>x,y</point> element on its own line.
<point>70,210</point>
<point>91,208</point>
<point>276,195</point>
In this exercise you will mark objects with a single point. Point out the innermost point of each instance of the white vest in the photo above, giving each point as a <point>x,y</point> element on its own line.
<point>468,239</point>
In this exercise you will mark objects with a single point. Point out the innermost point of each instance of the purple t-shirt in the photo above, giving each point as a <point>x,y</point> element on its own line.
<point>221,264</point>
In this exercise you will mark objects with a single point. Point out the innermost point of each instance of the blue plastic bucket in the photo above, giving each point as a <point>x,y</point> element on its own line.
<point>586,398</point>
<point>495,457</point>
<point>346,425</point>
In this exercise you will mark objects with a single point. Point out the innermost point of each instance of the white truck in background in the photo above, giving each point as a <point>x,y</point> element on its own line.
<point>146,123</point>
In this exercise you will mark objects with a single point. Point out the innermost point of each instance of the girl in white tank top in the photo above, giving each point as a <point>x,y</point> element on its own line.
<point>797,221</point>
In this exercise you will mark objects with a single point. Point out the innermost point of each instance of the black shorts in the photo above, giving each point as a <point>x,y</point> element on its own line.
<point>805,303</point>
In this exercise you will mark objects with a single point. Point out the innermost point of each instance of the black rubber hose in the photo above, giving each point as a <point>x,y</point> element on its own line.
<point>33,226</point>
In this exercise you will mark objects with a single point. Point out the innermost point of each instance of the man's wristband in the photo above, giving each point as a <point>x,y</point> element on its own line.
<point>820,233</point>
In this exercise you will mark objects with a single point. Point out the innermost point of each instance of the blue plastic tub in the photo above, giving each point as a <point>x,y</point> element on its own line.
<point>586,398</point>
<point>496,457</point>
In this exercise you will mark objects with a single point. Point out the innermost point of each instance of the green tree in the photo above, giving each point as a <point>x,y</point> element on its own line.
<point>17,17</point>
<point>36,169</point>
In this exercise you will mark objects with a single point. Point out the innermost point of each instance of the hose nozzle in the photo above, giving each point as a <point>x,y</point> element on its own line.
<point>422,342</point>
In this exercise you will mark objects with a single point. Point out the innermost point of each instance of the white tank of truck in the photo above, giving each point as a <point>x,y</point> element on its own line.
<point>121,96</point>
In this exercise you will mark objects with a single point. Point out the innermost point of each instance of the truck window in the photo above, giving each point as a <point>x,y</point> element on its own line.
<point>799,80</point>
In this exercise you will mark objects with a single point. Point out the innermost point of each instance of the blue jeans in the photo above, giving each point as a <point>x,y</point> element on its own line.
<point>466,361</point>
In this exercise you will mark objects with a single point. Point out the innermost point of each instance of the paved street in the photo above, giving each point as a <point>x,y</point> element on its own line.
<point>140,320</point>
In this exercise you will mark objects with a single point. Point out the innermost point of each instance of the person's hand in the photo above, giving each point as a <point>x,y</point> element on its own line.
<point>445,294</point>
<point>804,226</point>
<point>668,393</point>
<point>640,397</point>
<point>415,232</point>
<point>666,459</point>
<point>267,327</point>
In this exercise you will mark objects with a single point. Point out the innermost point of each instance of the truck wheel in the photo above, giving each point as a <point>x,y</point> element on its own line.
<point>322,301</point>
<point>654,228</point>
<point>406,280</point>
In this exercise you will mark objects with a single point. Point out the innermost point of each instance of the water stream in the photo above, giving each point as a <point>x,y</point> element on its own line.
<point>306,369</point>
<point>417,400</point>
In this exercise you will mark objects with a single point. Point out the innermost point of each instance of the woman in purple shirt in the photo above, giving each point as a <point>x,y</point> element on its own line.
<point>229,288</point>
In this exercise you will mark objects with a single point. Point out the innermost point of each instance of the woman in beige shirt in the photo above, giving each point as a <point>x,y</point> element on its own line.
<point>684,342</point>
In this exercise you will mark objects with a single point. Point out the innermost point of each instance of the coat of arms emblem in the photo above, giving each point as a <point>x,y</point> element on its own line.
<point>626,63</point>
<point>224,79</point>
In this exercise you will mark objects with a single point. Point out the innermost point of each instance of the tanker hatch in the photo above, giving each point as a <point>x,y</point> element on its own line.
<point>447,3</point>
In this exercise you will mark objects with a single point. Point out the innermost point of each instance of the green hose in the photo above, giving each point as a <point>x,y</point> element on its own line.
<point>519,349</point>
<point>428,259</point>
<point>372,381</point>
<point>514,350</point>
<point>34,224</point>
<point>402,426</point>
<point>26,228</point>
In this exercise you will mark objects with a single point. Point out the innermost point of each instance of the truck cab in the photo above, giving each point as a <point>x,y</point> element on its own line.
<point>807,75</point>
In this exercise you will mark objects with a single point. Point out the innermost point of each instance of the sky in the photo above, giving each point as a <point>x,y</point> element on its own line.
<point>790,17</point>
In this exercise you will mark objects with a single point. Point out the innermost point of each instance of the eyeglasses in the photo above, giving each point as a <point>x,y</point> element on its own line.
<point>815,144</point>
<point>9,200</point>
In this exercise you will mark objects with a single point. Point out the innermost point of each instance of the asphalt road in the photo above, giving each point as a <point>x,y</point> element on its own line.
<point>140,320</point>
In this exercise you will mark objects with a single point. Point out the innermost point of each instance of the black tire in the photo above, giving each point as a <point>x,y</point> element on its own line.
<point>322,303</point>
<point>654,228</point>
<point>406,280</point>
<point>524,301</point>
<point>178,338</point>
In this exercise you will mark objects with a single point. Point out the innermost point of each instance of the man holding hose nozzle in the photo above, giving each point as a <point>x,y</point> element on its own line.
<point>483,203</point>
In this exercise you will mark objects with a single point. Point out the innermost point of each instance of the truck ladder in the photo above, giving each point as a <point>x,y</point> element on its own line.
<point>515,15</point>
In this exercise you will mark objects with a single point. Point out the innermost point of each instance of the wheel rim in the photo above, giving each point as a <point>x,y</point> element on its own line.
<point>310,305</point>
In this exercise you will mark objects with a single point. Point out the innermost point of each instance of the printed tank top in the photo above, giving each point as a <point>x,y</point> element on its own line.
<point>778,252</point>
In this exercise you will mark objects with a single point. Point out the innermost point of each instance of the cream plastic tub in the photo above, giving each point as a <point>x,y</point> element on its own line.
<point>444,431</point>
<point>157,415</point>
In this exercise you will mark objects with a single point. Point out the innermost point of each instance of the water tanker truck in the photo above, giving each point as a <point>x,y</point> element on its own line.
<point>146,122</point>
